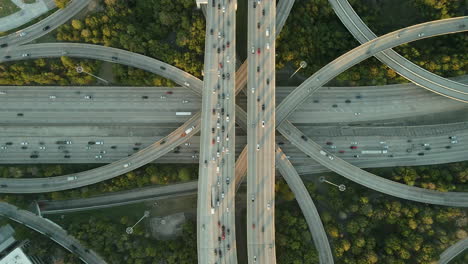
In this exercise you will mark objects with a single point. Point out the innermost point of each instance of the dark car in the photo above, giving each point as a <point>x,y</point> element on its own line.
<point>329,143</point>
<point>144,97</point>
<point>258,68</point>
<point>421,153</point>
<point>280,143</point>
<point>263,107</point>
<point>211,31</point>
<point>353,147</point>
<point>228,75</point>
<point>162,142</point>
<point>20,114</point>
<point>46,28</point>
<point>9,143</point>
<point>162,68</point>
<point>67,156</point>
<point>219,50</point>
<point>91,142</point>
<point>304,138</point>
<point>214,111</point>
<point>268,81</point>
<point>258,25</point>
<point>4,45</point>
<point>212,130</point>
<point>34,156</point>
<point>3,185</point>
<point>114,58</point>
<point>7,57</point>
<point>263,11</point>
<point>169,92</point>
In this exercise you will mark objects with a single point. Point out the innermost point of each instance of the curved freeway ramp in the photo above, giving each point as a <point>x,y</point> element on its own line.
<point>37,30</point>
<point>96,52</point>
<point>154,151</point>
<point>295,136</point>
<point>118,198</point>
<point>120,167</point>
<point>51,230</point>
<point>401,65</point>
<point>351,58</point>
<point>453,251</point>
<point>307,206</point>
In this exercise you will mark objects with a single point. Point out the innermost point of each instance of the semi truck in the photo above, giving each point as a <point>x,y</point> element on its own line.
<point>213,199</point>
<point>187,131</point>
<point>384,151</point>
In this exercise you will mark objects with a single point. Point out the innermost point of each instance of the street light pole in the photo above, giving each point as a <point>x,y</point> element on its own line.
<point>79,69</point>
<point>302,65</point>
<point>129,229</point>
<point>341,187</point>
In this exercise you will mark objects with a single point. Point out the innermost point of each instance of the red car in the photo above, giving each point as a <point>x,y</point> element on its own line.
<point>213,141</point>
<point>258,51</point>
<point>253,226</point>
<point>341,151</point>
<point>353,147</point>
<point>228,44</point>
<point>169,92</point>
<point>220,65</point>
<point>223,236</point>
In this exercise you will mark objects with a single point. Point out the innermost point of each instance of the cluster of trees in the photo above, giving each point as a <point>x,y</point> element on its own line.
<point>320,37</point>
<point>61,3</point>
<point>444,177</point>
<point>48,72</point>
<point>368,227</point>
<point>171,31</point>
<point>108,238</point>
<point>151,174</point>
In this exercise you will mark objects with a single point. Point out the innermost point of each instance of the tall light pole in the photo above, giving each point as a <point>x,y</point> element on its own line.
<point>129,229</point>
<point>79,69</point>
<point>341,187</point>
<point>302,65</point>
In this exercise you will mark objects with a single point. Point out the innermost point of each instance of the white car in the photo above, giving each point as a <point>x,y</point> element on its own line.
<point>263,123</point>
<point>258,147</point>
<point>3,147</point>
<point>253,50</point>
<point>99,142</point>
<point>222,195</point>
<point>268,206</point>
<point>185,101</point>
<point>3,92</point>
<point>98,156</point>
<point>253,89</point>
<point>227,118</point>
<point>227,137</point>
<point>68,142</point>
<point>25,55</point>
<point>126,165</point>
<point>224,9</point>
<point>330,157</point>
<point>187,84</point>
<point>217,139</point>
<point>267,32</point>
<point>42,147</point>
<point>24,143</point>
<point>87,97</point>
<point>22,34</point>
<point>267,46</point>
<point>323,153</point>
<point>52,97</point>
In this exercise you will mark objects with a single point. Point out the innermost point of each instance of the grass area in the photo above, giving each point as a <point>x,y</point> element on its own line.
<point>32,22</point>
<point>114,213</point>
<point>7,7</point>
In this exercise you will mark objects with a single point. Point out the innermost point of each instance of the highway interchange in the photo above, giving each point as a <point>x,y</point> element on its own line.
<point>294,100</point>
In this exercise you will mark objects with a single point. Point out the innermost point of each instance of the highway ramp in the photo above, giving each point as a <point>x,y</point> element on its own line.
<point>50,230</point>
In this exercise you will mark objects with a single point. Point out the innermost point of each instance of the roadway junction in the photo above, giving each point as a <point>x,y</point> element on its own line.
<point>219,112</point>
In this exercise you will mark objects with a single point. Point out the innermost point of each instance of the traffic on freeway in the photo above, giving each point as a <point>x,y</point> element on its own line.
<point>215,210</point>
<point>261,132</point>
